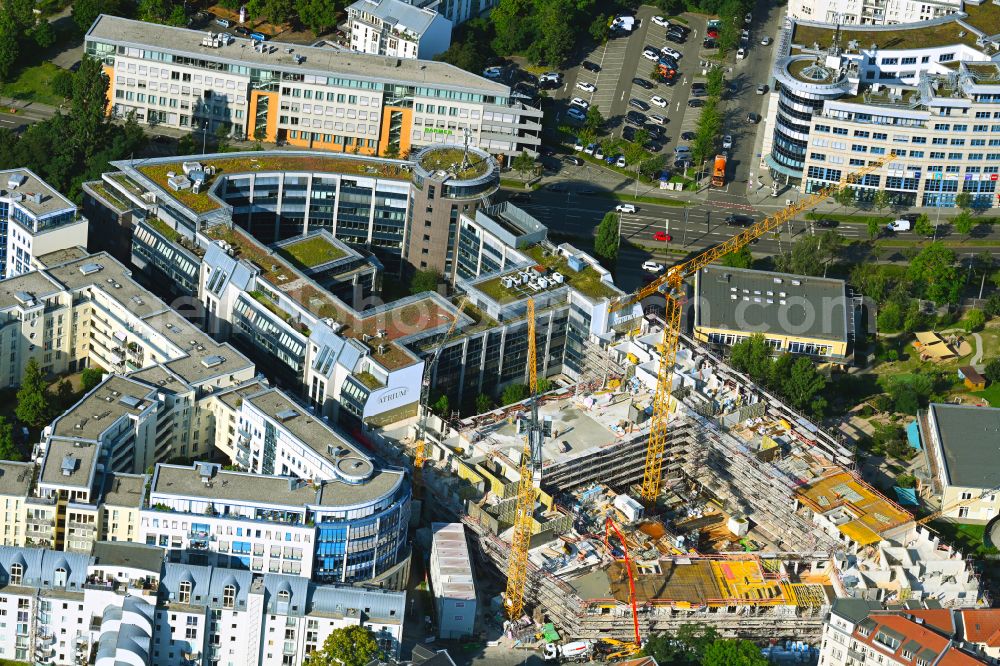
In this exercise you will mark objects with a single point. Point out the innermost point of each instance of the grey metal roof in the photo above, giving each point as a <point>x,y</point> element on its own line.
<point>854,610</point>
<point>398,13</point>
<point>126,633</point>
<point>766,302</point>
<point>970,440</point>
<point>318,61</point>
<point>39,565</point>
<point>339,600</point>
<point>207,584</point>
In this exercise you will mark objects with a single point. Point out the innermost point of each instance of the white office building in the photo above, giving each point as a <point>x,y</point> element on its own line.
<point>871,12</point>
<point>452,581</point>
<point>398,28</point>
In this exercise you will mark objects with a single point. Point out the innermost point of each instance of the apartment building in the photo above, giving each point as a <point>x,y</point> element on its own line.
<point>306,97</point>
<point>932,97</point>
<point>956,442</point>
<point>452,581</point>
<point>862,632</point>
<point>124,604</point>
<point>799,314</point>
<point>34,220</point>
<point>398,28</point>
<point>872,12</point>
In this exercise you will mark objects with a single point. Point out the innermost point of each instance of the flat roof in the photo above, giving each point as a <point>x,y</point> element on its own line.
<point>186,481</point>
<point>454,574</point>
<point>95,412</point>
<point>970,439</point>
<point>124,490</point>
<point>318,61</point>
<point>62,256</point>
<point>748,301</point>
<point>29,184</point>
<point>127,554</point>
<point>16,478</point>
<point>587,280</point>
<point>396,12</point>
<point>307,427</point>
<point>76,458</point>
<point>34,286</point>
<point>920,35</point>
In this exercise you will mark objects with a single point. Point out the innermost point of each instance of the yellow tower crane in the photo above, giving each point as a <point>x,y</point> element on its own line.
<point>527,488</point>
<point>670,285</point>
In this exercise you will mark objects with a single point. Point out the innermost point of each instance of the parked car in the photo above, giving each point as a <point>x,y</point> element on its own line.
<point>649,53</point>
<point>675,38</point>
<point>591,66</point>
<point>727,142</point>
<point>643,83</point>
<point>626,208</point>
<point>765,41</point>
<point>698,89</point>
<point>660,21</point>
<point>652,147</point>
<point>713,33</point>
<point>635,118</point>
<point>673,53</point>
<point>580,102</point>
<point>598,153</point>
<point>225,23</point>
<point>493,72</point>
<point>572,159</point>
<point>748,18</point>
<point>658,101</point>
<point>658,119</point>
<point>753,118</point>
<point>638,104</point>
<point>578,145</point>
<point>682,150</point>
<point>652,266</point>
<point>589,150</point>
<point>687,136</point>
<point>762,89</point>
<point>741,54</point>
<point>709,43</point>
<point>662,236</point>
<point>576,113</point>
<point>240,30</point>
<point>586,85</point>
<point>620,162</point>
<point>696,103</point>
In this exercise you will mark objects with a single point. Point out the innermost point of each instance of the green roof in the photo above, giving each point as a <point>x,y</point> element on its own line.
<point>896,38</point>
<point>586,281</point>
<point>311,251</point>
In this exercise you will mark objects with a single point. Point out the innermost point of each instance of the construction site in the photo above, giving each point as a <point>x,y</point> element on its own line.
<point>673,490</point>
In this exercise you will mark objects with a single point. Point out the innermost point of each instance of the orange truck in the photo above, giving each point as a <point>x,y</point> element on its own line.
<point>719,171</point>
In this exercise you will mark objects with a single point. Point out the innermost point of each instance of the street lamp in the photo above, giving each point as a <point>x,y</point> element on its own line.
<point>204,136</point>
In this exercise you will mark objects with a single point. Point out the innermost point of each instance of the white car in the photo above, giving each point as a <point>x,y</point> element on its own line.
<point>658,119</point>
<point>598,153</point>
<point>766,41</point>
<point>584,85</point>
<point>591,147</point>
<point>727,142</point>
<point>620,162</point>
<point>576,113</point>
<point>652,266</point>
<point>741,54</point>
<point>673,53</point>
<point>580,102</point>
<point>658,101</point>
<point>493,72</point>
<point>660,21</point>
<point>578,146</point>
<point>625,208</point>
<point>650,54</point>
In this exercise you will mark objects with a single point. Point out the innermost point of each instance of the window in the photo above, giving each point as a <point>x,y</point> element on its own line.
<point>966,496</point>
<point>283,597</point>
<point>946,57</point>
<point>229,596</point>
<point>184,592</point>
<point>16,573</point>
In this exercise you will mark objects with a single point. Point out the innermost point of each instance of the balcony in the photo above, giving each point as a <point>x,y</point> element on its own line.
<point>45,640</point>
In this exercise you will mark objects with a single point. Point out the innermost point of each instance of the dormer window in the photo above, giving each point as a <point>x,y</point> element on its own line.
<point>59,578</point>
<point>229,596</point>
<point>184,592</point>
<point>16,573</point>
<point>283,597</point>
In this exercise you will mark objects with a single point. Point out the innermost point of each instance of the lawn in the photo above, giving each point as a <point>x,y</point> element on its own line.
<point>969,538</point>
<point>586,281</point>
<point>34,84</point>
<point>990,395</point>
<point>311,252</point>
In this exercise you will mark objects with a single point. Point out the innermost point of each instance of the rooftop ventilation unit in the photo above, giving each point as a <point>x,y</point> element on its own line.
<point>91,268</point>
<point>212,361</point>
<point>15,180</point>
<point>286,414</point>
<point>130,401</point>
<point>69,465</point>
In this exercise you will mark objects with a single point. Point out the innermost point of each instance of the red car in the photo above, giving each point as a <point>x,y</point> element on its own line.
<point>713,33</point>
<point>662,236</point>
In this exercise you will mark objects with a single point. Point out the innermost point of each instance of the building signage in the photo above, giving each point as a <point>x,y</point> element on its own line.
<point>394,394</point>
<point>437,130</point>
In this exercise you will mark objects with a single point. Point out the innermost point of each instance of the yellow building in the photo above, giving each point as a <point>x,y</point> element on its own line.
<point>15,483</point>
<point>961,443</point>
<point>798,314</point>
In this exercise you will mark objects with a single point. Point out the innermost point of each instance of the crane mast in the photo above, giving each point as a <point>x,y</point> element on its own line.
<point>527,486</point>
<point>670,284</point>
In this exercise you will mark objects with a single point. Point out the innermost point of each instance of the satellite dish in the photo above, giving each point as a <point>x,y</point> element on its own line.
<point>852,45</point>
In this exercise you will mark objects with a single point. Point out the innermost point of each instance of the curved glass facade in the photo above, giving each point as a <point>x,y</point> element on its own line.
<point>361,542</point>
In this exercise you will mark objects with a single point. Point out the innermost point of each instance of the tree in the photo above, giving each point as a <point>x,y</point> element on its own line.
<point>706,132</point>
<point>594,120</point>
<point>544,385</point>
<point>992,370</point>
<point>524,164</point>
<point>881,200</point>
<point>484,403</point>
<point>33,405</point>
<point>963,222</point>
<point>317,15</point>
<point>890,317</point>
<point>607,240</point>
<point>803,384</point>
<point>923,226</point>
<point>8,450</point>
<point>974,320</point>
<point>353,645</point>
<point>715,82</point>
<point>934,274</point>
<point>85,12</point>
<point>43,35</point>
<point>752,356</point>
<point>87,118</point>
<point>733,652</point>
<point>425,281</point>
<point>9,44</point>
<point>964,200</point>
<point>992,308</point>
<point>274,11</point>
<point>185,145</point>
<point>392,151</point>
<point>845,196</point>
<point>909,392</point>
<point>742,258</point>
<point>599,28</point>
<point>810,254</point>
<point>65,395</point>
<point>874,228</point>
<point>513,393</point>
<point>441,406</point>
<point>90,378</point>
<point>62,83</point>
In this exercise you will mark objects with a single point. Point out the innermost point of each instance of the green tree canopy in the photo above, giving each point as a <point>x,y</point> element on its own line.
<point>974,320</point>
<point>741,258</point>
<point>353,645</point>
<point>606,243</point>
<point>8,451</point>
<point>425,281</point>
<point>992,370</point>
<point>923,226</point>
<point>733,652</point>
<point>752,356</point>
<point>881,200</point>
<point>810,254</point>
<point>85,12</point>
<point>90,378</point>
<point>513,393</point>
<point>964,200</point>
<point>934,273</point>
<point>524,164</point>
<point>804,384</point>
<point>33,405</point>
<point>484,403</point>
<point>963,222</point>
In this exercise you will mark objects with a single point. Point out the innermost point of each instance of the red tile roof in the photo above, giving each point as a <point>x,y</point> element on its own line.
<point>936,617</point>
<point>923,634</point>
<point>982,626</point>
